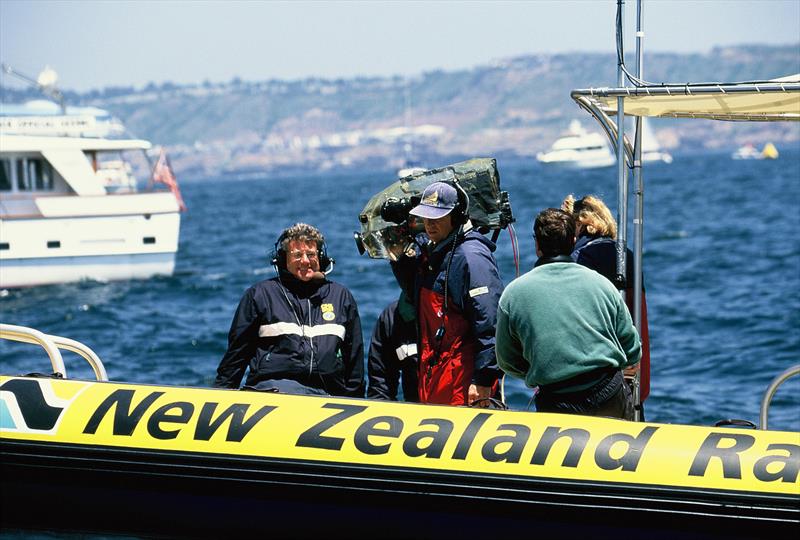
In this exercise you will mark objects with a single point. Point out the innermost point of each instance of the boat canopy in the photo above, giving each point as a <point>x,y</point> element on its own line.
<point>775,100</point>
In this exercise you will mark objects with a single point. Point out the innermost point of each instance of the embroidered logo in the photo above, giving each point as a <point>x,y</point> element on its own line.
<point>431,199</point>
<point>327,312</point>
<point>478,291</point>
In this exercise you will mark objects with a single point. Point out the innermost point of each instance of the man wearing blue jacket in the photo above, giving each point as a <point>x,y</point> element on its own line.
<point>455,284</point>
<point>392,358</point>
<point>298,332</point>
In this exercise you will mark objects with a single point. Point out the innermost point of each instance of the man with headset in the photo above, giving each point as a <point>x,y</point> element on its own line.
<point>298,332</point>
<point>456,286</point>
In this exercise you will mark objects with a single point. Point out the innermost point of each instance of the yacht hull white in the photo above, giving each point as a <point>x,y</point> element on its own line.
<point>48,250</point>
<point>577,160</point>
<point>18,273</point>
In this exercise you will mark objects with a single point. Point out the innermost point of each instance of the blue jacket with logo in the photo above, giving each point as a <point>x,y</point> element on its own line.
<point>308,332</point>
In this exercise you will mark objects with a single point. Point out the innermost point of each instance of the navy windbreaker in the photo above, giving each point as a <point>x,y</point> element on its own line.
<point>392,355</point>
<point>600,254</point>
<point>465,352</point>
<point>309,332</point>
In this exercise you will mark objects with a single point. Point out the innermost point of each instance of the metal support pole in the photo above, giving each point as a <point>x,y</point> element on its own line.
<point>622,176</point>
<point>638,219</point>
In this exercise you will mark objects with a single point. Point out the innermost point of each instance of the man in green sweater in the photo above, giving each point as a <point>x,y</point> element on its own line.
<point>565,328</point>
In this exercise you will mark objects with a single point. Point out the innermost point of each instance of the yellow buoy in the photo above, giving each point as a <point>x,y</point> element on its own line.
<point>769,151</point>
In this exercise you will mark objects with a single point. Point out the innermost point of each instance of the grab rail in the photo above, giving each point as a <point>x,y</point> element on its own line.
<point>773,387</point>
<point>51,344</point>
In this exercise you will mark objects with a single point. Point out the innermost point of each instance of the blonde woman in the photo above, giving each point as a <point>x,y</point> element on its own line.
<point>595,248</point>
<point>595,235</point>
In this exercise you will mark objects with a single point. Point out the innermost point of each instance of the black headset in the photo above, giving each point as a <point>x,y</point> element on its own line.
<point>461,211</point>
<point>279,254</point>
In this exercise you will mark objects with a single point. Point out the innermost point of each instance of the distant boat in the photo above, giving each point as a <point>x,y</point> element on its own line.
<point>70,206</point>
<point>410,171</point>
<point>579,149</point>
<point>651,149</point>
<point>410,165</point>
<point>748,151</point>
<point>769,151</point>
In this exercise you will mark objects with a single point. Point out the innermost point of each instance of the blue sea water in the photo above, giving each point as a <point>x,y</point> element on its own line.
<point>721,264</point>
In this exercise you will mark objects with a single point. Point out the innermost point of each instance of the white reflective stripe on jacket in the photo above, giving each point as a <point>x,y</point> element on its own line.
<point>286,328</point>
<point>406,350</point>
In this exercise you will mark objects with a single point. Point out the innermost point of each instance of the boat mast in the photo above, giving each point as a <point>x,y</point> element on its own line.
<point>45,83</point>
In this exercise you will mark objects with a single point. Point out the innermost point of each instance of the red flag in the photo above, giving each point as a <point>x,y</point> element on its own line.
<point>162,173</point>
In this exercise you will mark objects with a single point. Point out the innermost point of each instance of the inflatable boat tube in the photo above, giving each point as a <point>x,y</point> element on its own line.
<point>175,461</point>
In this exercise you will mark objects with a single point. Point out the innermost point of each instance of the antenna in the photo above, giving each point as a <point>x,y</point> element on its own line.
<point>45,83</point>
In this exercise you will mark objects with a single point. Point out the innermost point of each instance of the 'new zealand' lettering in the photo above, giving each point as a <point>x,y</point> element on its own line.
<point>375,436</point>
<point>168,420</point>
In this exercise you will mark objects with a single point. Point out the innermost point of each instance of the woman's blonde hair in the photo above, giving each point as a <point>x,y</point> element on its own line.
<point>592,214</point>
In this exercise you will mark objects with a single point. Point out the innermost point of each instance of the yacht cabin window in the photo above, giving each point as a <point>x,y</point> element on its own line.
<point>34,174</point>
<point>5,175</point>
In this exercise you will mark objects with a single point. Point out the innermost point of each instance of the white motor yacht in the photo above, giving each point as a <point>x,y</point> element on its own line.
<point>70,206</point>
<point>578,148</point>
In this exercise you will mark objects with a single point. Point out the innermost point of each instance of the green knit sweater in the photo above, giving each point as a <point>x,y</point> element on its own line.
<point>560,320</point>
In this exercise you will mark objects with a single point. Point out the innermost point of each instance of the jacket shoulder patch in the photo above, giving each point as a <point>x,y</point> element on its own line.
<point>478,291</point>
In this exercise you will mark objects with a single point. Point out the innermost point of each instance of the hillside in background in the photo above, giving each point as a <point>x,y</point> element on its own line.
<point>514,107</point>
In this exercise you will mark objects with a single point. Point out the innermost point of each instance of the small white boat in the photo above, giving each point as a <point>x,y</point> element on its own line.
<point>747,151</point>
<point>409,171</point>
<point>70,205</point>
<point>410,165</point>
<point>578,148</point>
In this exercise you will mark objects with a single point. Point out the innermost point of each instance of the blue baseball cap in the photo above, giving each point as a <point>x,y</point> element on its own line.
<point>437,201</point>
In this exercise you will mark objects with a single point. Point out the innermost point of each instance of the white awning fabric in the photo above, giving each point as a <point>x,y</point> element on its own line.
<point>776,100</point>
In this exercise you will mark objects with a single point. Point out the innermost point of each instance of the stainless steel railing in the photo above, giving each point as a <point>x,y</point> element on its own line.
<point>52,345</point>
<point>773,387</point>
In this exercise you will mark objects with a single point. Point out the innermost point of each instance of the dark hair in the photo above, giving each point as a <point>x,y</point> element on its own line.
<point>555,231</point>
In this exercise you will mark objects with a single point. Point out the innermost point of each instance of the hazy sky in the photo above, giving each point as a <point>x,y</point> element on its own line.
<point>93,44</point>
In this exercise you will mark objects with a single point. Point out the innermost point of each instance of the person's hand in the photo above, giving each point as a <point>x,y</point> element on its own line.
<point>403,247</point>
<point>479,392</point>
<point>395,251</point>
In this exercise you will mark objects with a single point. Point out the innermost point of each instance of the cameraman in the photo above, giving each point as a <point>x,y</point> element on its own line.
<point>456,287</point>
